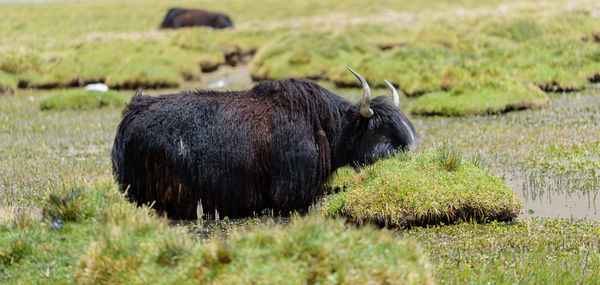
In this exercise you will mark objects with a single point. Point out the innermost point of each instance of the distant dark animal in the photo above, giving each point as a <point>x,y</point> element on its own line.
<point>180,17</point>
<point>241,152</point>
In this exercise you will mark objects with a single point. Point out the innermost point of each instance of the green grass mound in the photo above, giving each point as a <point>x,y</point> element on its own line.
<point>431,187</point>
<point>83,100</point>
<point>415,69</point>
<point>144,74</point>
<point>557,64</point>
<point>120,63</point>
<point>90,234</point>
<point>476,98</point>
<point>308,55</point>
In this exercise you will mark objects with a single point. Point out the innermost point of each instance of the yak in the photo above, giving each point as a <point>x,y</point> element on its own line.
<point>181,17</point>
<point>239,153</point>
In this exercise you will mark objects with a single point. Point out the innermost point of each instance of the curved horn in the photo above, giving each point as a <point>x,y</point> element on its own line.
<point>394,93</point>
<point>365,109</point>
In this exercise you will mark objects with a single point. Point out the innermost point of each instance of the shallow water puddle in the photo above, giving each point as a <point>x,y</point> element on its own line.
<point>554,200</point>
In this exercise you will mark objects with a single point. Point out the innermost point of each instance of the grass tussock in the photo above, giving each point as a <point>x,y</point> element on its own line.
<point>15,250</point>
<point>449,155</point>
<point>431,187</point>
<point>68,206</point>
<point>83,100</point>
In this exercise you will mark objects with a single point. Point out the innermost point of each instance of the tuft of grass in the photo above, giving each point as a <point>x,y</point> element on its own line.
<point>66,205</point>
<point>449,155</point>
<point>15,250</point>
<point>83,100</point>
<point>123,64</point>
<point>432,187</point>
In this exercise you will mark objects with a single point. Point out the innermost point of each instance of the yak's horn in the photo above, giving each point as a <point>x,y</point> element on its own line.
<point>365,109</point>
<point>394,93</point>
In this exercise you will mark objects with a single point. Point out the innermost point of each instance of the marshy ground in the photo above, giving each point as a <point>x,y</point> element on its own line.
<point>550,156</point>
<point>548,152</point>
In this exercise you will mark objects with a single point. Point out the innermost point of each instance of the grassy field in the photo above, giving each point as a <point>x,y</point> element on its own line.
<point>448,58</point>
<point>493,57</point>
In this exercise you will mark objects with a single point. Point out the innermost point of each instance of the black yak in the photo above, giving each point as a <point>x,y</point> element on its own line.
<point>180,17</point>
<point>241,152</point>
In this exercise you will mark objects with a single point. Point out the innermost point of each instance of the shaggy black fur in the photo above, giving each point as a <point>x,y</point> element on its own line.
<point>271,147</point>
<point>181,17</point>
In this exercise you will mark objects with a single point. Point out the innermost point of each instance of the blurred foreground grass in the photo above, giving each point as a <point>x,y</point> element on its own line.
<point>132,244</point>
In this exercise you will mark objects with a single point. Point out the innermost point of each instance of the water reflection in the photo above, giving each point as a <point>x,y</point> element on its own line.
<point>556,196</point>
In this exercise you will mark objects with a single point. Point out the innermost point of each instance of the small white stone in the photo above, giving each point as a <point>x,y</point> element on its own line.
<point>97,87</point>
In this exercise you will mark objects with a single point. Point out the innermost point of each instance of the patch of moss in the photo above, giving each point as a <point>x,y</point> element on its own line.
<point>83,100</point>
<point>420,189</point>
